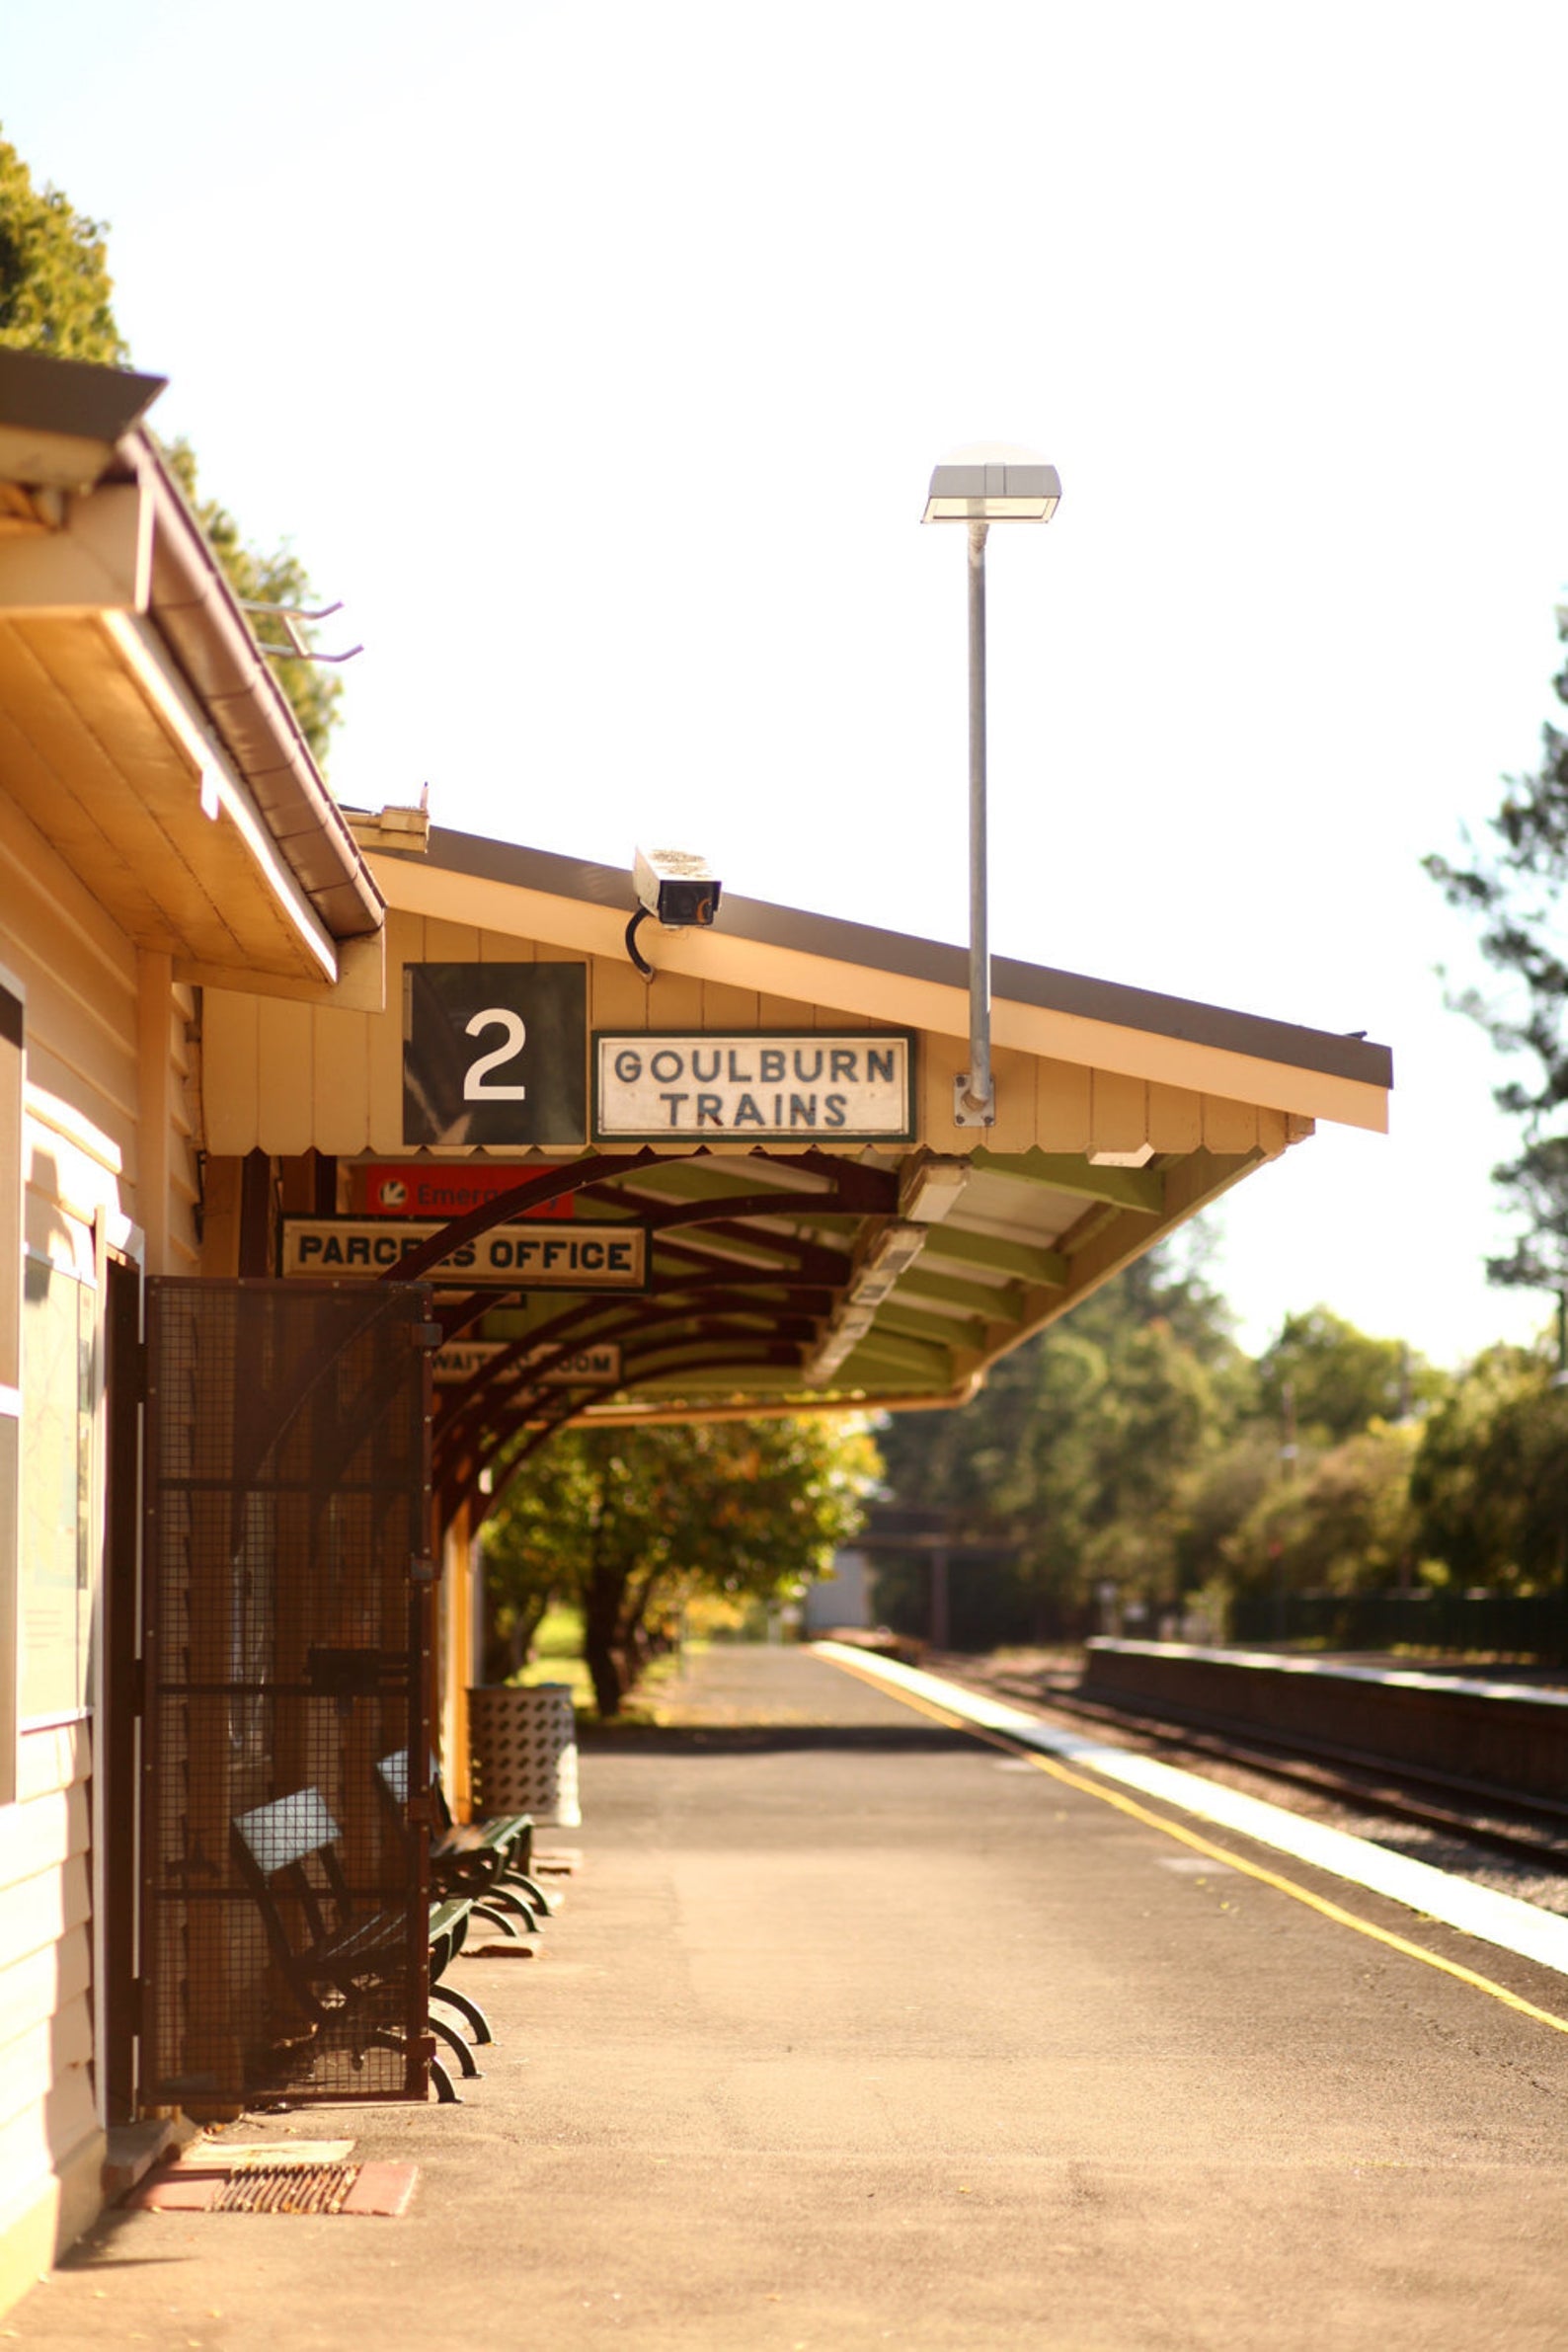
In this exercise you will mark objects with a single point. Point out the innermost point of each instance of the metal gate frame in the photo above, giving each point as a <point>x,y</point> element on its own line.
<point>288,1631</point>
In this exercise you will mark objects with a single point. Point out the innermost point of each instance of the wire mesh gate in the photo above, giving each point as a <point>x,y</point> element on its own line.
<point>286,1645</point>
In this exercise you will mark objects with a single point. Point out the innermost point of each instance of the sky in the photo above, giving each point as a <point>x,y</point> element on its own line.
<point>597,356</point>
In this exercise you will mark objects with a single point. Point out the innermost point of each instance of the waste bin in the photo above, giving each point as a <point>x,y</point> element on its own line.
<point>523,1742</point>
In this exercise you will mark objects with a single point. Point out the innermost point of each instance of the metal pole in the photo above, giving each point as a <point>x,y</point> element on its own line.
<point>974,1097</point>
<point>1288,1458</point>
<point>939,1615</point>
<point>1561,1382</point>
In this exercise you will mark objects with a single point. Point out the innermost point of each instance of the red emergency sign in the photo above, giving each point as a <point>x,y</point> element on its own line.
<point>426,1187</point>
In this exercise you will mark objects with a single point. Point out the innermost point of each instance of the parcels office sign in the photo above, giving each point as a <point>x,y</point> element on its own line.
<point>760,1085</point>
<point>518,1257</point>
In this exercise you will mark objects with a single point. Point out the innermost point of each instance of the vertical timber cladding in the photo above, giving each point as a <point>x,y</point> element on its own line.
<point>287,1643</point>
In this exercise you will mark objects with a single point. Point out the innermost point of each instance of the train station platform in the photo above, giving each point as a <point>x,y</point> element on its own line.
<point>858,2029</point>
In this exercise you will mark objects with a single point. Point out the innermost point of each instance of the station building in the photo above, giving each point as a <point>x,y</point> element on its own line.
<point>338,1152</point>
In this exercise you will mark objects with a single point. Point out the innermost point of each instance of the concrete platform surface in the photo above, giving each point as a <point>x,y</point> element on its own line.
<point>854,2032</point>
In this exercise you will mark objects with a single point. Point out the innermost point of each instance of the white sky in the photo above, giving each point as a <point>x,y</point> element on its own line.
<point>597,356</point>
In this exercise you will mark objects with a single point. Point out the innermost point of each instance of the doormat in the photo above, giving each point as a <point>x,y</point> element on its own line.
<point>303,2177</point>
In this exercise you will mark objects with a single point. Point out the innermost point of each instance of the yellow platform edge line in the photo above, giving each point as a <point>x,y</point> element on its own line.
<point>1207,1846</point>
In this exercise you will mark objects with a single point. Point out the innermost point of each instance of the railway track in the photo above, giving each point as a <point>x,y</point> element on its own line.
<point>1318,1775</point>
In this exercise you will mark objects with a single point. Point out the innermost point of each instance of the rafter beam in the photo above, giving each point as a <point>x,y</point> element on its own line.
<point>496,1388</point>
<point>905,1355</point>
<point>1067,1172</point>
<point>952,1245</point>
<point>703,1371</point>
<point>1002,1305</point>
<point>710,1179</point>
<point>792,1185</point>
<point>953,1331</point>
<point>727,1242</point>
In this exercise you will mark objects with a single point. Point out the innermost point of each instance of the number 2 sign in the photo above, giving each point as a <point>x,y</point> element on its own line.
<point>495,1054</point>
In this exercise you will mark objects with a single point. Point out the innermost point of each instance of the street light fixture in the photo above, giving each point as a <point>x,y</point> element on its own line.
<point>980,486</point>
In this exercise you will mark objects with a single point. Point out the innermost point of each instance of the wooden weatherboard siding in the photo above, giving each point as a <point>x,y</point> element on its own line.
<point>109,1164</point>
<point>50,2143</point>
<point>284,1077</point>
<point>803,957</point>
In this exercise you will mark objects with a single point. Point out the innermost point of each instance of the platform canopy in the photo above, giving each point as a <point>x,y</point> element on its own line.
<point>745,1188</point>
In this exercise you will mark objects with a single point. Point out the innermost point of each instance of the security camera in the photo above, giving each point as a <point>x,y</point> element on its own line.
<point>676,887</point>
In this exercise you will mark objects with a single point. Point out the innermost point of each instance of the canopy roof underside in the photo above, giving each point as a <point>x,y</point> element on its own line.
<point>797,1281</point>
<point>784,1279</point>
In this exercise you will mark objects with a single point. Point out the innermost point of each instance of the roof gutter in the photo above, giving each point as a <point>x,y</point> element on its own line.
<point>199,617</point>
<point>68,429</point>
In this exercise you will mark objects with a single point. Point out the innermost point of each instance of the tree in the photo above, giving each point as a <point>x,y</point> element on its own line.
<point>624,1523</point>
<point>279,578</point>
<point>1134,1446</point>
<point>55,290</point>
<point>1078,1453</point>
<point>56,297</point>
<point>1490,1483</point>
<point>1514,895</point>
<point>1346,1525</point>
<point>1218,1495</point>
<point>1340,1378</point>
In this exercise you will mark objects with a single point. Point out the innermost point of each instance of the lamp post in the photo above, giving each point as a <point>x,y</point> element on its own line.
<point>979,487</point>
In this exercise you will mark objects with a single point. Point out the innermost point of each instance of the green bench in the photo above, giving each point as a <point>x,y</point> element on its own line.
<point>338,1959</point>
<point>485,1860</point>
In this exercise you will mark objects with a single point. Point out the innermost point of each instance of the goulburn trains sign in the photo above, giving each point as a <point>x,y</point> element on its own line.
<point>758,1084</point>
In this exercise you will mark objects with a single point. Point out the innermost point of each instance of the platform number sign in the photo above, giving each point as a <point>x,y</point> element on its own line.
<point>495,1054</point>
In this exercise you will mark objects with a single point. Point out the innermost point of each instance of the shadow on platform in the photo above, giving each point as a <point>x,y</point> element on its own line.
<point>729,1738</point>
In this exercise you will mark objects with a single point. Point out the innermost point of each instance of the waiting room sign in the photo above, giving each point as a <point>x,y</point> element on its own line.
<point>595,1367</point>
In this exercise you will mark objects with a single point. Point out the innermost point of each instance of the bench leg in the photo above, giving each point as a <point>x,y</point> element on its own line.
<point>449,2034</point>
<point>497,1919</point>
<point>536,1894</point>
<point>466,2009</point>
<point>510,1900</point>
<point>445,2094</point>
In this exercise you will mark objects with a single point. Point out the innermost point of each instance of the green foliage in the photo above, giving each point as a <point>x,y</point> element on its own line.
<point>1534,1183</point>
<point>1339,1379</point>
<point>55,290</point>
<point>1515,896</point>
<point>1347,1526</point>
<point>1490,1484</point>
<point>625,1523</point>
<point>1132,1445</point>
<point>55,297</point>
<point>1080,1451</point>
<point>279,578</point>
